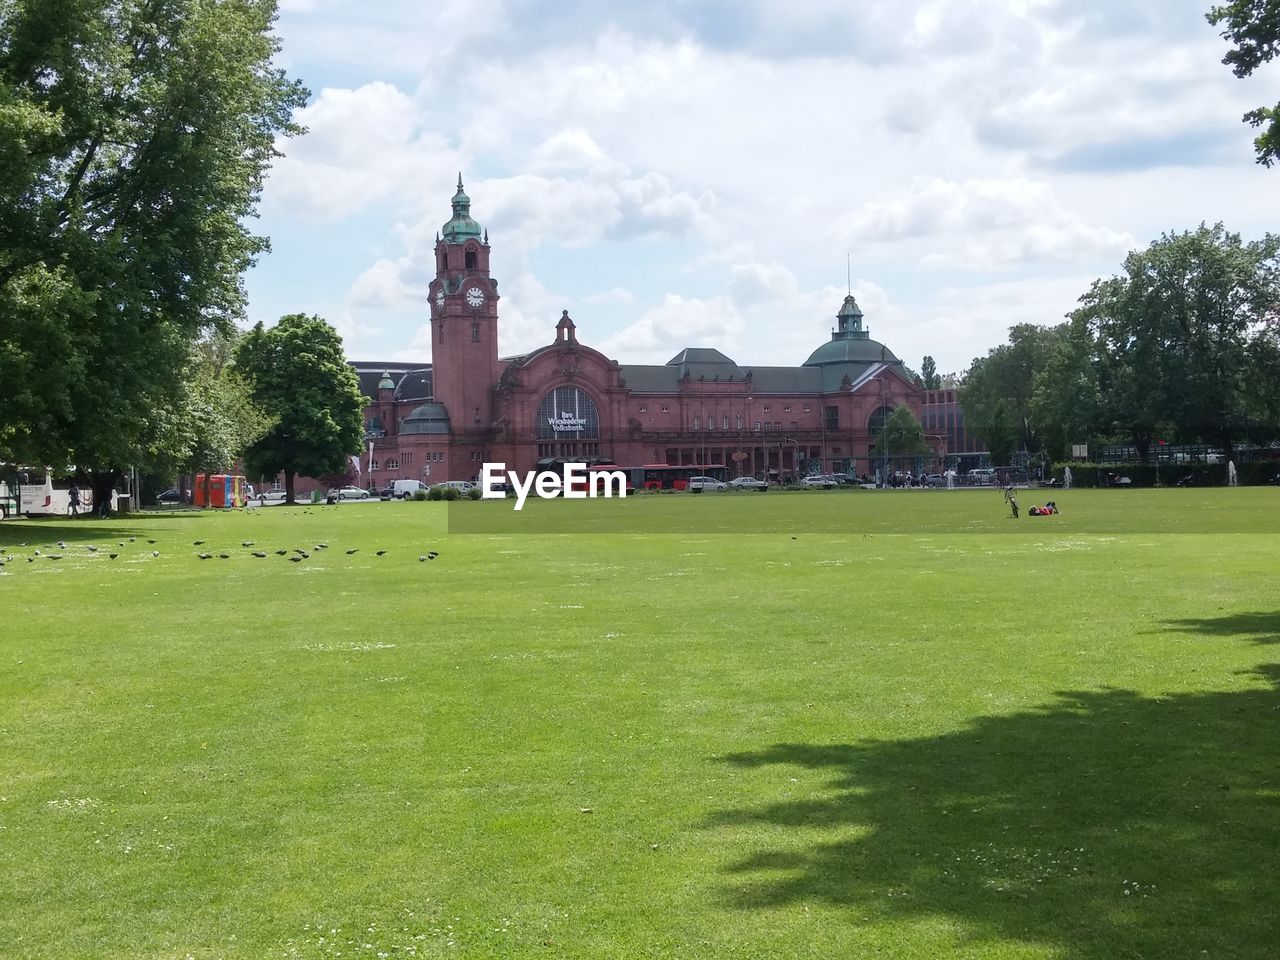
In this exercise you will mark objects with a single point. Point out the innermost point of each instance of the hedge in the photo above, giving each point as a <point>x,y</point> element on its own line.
<point>1249,473</point>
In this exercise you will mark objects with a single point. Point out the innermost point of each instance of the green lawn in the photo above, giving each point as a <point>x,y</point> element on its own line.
<point>857,733</point>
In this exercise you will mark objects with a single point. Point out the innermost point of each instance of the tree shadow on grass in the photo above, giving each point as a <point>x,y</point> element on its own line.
<point>1104,825</point>
<point>39,532</point>
<point>1257,627</point>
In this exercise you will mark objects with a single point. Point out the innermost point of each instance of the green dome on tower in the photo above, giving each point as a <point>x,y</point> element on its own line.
<point>386,383</point>
<point>461,228</point>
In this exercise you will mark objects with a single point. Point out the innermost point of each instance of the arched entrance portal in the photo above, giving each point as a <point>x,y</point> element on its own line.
<point>567,425</point>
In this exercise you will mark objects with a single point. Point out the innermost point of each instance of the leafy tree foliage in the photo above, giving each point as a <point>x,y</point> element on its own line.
<point>929,374</point>
<point>134,137</point>
<point>997,390</point>
<point>901,436</point>
<point>1253,27</point>
<point>221,418</point>
<point>1183,345</point>
<point>298,374</point>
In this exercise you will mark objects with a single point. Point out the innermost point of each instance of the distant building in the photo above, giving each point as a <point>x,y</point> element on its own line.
<point>565,400</point>
<point>943,422</point>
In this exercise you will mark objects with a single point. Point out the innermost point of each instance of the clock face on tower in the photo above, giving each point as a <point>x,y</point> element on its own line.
<point>440,299</point>
<point>475,296</point>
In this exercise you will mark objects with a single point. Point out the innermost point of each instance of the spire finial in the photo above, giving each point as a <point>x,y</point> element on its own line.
<point>459,180</point>
<point>848,267</point>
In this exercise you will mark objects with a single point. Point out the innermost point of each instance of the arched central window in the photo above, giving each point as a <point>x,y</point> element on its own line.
<point>877,421</point>
<point>567,424</point>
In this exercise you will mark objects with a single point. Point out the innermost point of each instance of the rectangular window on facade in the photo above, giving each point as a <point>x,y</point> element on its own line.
<point>737,421</point>
<point>725,422</point>
<point>833,418</point>
<point>696,423</point>
<point>757,426</point>
<point>475,333</point>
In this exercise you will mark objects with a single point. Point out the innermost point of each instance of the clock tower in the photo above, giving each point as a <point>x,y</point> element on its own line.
<point>464,335</point>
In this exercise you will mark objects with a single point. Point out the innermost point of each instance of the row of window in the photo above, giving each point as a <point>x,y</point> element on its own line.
<point>433,456</point>
<point>786,408</point>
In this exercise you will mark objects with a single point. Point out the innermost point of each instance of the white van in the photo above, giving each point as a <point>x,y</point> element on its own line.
<point>982,477</point>
<point>403,489</point>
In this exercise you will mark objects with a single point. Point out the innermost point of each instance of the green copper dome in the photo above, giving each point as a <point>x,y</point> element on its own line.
<point>386,383</point>
<point>850,351</point>
<point>461,227</point>
<point>850,341</point>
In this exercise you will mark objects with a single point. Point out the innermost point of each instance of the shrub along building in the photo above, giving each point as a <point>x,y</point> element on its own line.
<point>567,400</point>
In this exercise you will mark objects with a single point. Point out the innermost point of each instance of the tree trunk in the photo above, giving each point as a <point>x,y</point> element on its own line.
<point>103,483</point>
<point>288,487</point>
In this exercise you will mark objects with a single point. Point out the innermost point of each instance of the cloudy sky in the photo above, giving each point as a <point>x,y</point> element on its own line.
<point>694,172</point>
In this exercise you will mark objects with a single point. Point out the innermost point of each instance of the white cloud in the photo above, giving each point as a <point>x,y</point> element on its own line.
<point>677,322</point>
<point>612,295</point>
<point>363,146</point>
<point>984,223</point>
<point>718,165</point>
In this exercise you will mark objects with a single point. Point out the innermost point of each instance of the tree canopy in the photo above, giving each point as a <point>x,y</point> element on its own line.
<point>929,377</point>
<point>134,138</point>
<point>1253,28</point>
<point>901,436</point>
<point>298,375</point>
<point>1183,345</point>
<point>997,390</point>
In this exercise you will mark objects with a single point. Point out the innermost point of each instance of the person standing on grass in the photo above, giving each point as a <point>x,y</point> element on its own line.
<point>73,501</point>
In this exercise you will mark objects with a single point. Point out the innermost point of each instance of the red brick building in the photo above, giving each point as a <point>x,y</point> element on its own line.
<point>441,421</point>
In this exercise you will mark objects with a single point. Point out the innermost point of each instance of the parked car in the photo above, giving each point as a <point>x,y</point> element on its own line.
<point>400,489</point>
<point>462,486</point>
<point>703,484</point>
<point>172,495</point>
<point>934,480</point>
<point>350,493</point>
<point>748,483</point>
<point>275,493</point>
<point>820,482</point>
<point>983,476</point>
<point>845,479</point>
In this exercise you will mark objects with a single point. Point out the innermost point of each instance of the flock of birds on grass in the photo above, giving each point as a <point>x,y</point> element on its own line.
<point>294,555</point>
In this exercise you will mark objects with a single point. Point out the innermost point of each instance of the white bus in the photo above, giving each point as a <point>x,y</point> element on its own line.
<point>40,498</point>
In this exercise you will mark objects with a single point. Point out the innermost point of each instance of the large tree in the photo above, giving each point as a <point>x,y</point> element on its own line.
<point>297,374</point>
<point>222,420</point>
<point>997,390</point>
<point>929,374</point>
<point>1066,399</point>
<point>901,435</point>
<point>1253,28</point>
<point>1182,336</point>
<point>134,138</point>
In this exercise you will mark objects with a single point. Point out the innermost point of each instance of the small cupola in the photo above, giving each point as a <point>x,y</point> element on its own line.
<point>566,332</point>
<point>849,319</point>
<point>386,383</point>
